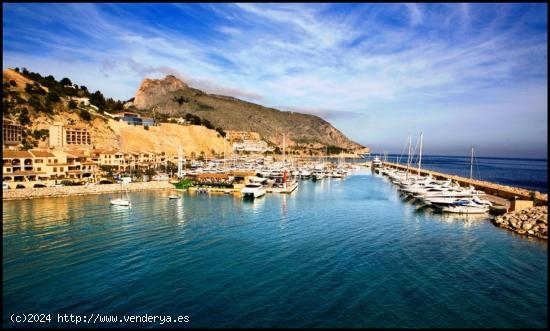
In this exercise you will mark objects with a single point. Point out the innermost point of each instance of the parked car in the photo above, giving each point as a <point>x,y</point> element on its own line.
<point>39,185</point>
<point>20,186</point>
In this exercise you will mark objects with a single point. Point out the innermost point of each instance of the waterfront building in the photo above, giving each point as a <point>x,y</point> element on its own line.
<point>44,168</point>
<point>11,133</point>
<point>254,146</point>
<point>113,158</point>
<point>61,135</point>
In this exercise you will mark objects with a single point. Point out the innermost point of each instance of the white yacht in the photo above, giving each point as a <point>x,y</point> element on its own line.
<point>465,206</point>
<point>376,162</point>
<point>253,190</point>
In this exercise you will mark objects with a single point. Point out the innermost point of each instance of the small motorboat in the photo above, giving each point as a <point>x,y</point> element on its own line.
<point>121,202</point>
<point>174,197</point>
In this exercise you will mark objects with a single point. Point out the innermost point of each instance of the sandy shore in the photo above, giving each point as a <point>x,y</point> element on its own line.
<point>49,192</point>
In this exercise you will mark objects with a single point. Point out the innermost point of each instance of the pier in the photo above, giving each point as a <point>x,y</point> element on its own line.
<point>512,198</point>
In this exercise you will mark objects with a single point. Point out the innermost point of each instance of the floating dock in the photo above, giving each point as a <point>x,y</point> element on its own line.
<point>286,190</point>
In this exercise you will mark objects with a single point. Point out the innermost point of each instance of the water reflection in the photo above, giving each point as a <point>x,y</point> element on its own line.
<point>468,220</point>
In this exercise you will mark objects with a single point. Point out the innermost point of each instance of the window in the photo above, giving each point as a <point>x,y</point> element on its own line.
<point>55,161</point>
<point>8,169</point>
<point>38,161</point>
<point>38,169</point>
<point>54,169</point>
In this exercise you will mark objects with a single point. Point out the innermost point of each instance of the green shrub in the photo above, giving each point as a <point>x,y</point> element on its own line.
<point>85,115</point>
<point>66,182</point>
<point>53,97</point>
<point>72,104</point>
<point>184,184</point>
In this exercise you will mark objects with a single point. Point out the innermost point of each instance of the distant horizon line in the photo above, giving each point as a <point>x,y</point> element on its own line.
<point>476,156</point>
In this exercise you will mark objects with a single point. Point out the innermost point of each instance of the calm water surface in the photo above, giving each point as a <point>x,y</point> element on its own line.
<point>339,253</point>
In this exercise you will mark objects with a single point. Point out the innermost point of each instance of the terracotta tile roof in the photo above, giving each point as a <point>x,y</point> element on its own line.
<point>24,173</point>
<point>41,153</point>
<point>16,154</point>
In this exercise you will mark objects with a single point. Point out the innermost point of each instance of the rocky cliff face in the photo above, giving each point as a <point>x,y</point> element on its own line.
<point>152,91</point>
<point>173,97</point>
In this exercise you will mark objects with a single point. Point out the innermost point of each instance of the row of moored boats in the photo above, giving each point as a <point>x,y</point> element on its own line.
<point>442,195</point>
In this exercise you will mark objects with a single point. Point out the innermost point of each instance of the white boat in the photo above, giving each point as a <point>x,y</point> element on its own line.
<point>336,174</point>
<point>465,206</point>
<point>318,175</point>
<point>376,162</point>
<point>174,197</point>
<point>253,190</point>
<point>304,173</point>
<point>121,202</point>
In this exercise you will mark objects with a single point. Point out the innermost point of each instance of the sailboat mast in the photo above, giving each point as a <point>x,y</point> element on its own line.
<point>409,156</point>
<point>284,150</point>
<point>472,163</point>
<point>420,154</point>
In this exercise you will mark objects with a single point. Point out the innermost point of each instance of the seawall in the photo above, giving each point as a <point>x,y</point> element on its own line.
<point>49,192</point>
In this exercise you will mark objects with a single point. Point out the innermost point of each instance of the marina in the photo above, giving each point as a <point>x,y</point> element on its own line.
<point>355,248</point>
<point>267,165</point>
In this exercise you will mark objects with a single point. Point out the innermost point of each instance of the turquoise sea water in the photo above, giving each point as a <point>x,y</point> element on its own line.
<point>337,253</point>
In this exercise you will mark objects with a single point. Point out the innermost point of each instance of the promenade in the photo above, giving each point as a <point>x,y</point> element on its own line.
<point>49,192</point>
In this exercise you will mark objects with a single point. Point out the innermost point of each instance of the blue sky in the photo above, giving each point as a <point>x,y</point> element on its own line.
<point>464,74</point>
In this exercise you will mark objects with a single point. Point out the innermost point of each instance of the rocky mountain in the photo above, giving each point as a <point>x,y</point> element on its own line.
<point>173,97</point>
<point>36,102</point>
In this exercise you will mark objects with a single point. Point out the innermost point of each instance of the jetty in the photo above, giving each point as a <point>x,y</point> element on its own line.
<point>511,198</point>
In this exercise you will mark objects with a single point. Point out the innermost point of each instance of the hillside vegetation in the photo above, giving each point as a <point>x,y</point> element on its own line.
<point>36,101</point>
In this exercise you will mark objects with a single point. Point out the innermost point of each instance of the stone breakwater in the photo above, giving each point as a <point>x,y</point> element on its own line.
<point>49,192</point>
<point>530,221</point>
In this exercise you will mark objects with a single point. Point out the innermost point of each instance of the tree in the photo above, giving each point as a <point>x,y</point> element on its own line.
<point>66,81</point>
<point>207,123</point>
<point>150,172</point>
<point>98,100</point>
<point>53,97</point>
<point>85,115</point>
<point>34,102</point>
<point>220,131</point>
<point>24,117</point>
<point>72,104</point>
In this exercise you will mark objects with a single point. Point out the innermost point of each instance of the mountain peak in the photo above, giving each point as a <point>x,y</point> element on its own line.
<point>152,90</point>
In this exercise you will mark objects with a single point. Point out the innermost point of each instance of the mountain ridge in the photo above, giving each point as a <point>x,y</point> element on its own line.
<point>171,96</point>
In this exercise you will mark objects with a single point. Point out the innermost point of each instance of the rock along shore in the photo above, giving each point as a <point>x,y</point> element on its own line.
<point>530,221</point>
<point>49,192</point>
